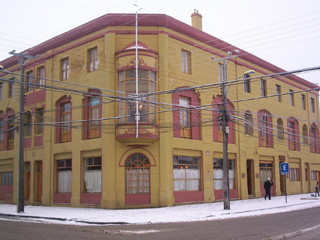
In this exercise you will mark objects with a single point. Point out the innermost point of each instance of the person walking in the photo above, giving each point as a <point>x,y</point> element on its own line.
<point>267,188</point>
<point>317,190</point>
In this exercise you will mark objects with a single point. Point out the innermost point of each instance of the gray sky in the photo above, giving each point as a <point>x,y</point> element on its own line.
<point>285,33</point>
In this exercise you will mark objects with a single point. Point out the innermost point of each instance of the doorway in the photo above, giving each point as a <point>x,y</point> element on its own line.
<point>250,177</point>
<point>37,181</point>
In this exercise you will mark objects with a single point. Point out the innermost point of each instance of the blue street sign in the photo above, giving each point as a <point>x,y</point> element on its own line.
<point>284,167</point>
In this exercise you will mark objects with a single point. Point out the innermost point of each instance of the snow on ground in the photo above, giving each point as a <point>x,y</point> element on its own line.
<point>191,212</point>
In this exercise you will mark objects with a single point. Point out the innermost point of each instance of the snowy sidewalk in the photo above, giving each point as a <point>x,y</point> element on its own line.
<point>192,212</point>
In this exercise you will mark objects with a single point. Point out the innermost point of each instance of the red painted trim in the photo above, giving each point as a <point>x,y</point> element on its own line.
<point>218,194</point>
<point>62,198</point>
<point>27,142</point>
<point>35,97</point>
<point>90,198</point>
<point>38,141</point>
<point>188,196</point>
<point>5,190</point>
<point>195,113</point>
<point>137,199</point>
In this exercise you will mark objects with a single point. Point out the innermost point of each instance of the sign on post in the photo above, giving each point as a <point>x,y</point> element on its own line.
<point>284,167</point>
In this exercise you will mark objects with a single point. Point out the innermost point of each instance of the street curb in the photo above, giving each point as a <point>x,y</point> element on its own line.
<point>3,215</point>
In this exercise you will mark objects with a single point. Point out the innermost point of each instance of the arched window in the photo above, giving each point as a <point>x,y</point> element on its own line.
<point>265,129</point>
<point>216,115</point>
<point>314,138</point>
<point>305,134</point>
<point>64,118</point>
<point>280,129</point>
<point>293,134</point>
<point>92,112</point>
<point>27,124</point>
<point>248,123</point>
<point>137,174</point>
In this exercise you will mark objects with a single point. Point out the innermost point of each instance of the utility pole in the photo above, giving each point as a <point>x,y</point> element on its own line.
<point>20,202</point>
<point>224,126</point>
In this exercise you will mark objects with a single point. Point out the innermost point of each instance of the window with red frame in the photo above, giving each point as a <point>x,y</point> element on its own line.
<point>186,116</point>
<point>314,139</point>
<point>293,134</point>
<point>64,117</point>
<point>265,129</point>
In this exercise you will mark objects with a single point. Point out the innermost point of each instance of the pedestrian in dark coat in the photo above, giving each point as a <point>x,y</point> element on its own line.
<point>317,189</point>
<point>267,188</point>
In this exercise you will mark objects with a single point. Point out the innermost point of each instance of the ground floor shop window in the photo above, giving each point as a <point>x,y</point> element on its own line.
<point>64,176</point>
<point>92,175</point>
<point>265,171</point>
<point>314,175</point>
<point>6,178</point>
<point>186,173</point>
<point>218,173</point>
<point>294,174</point>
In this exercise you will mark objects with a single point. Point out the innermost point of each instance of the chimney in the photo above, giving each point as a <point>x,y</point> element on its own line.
<point>196,20</point>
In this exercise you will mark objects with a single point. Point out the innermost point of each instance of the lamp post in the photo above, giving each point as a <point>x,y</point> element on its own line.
<point>224,124</point>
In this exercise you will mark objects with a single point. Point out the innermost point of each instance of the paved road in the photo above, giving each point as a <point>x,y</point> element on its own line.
<point>296,225</point>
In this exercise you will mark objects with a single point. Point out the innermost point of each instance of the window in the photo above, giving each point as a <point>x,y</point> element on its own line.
<point>314,175</point>
<point>217,123</point>
<point>137,174</point>
<point>127,84</point>
<point>221,71</point>
<point>291,97</point>
<point>265,129</point>
<point>247,83</point>
<point>64,176</point>
<point>218,174</point>
<point>11,88</point>
<point>92,175</point>
<point>29,81</point>
<point>6,178</point>
<point>305,134</point>
<point>185,61</point>
<point>263,87</point>
<point>63,130</point>
<point>41,77</point>
<point>293,134</point>
<point>278,92</point>
<point>313,105</point>
<point>314,139</point>
<point>186,173</point>
<point>248,123</point>
<point>92,113</point>
<point>39,120</point>
<point>303,101</point>
<point>1,133</point>
<point>11,130</point>
<point>27,124</point>
<point>294,174</point>
<point>65,69</point>
<point>1,90</point>
<point>93,60</point>
<point>280,129</point>
<point>266,169</point>
<point>185,118</point>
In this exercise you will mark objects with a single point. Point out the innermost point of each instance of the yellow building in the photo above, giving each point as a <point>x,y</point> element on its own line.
<point>97,135</point>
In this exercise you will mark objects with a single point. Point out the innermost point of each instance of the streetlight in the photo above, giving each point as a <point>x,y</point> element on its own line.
<point>224,124</point>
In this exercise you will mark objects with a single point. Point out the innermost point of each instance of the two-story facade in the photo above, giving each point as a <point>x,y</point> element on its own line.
<point>113,122</point>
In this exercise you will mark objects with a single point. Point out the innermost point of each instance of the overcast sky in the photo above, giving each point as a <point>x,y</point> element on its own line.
<point>285,33</point>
